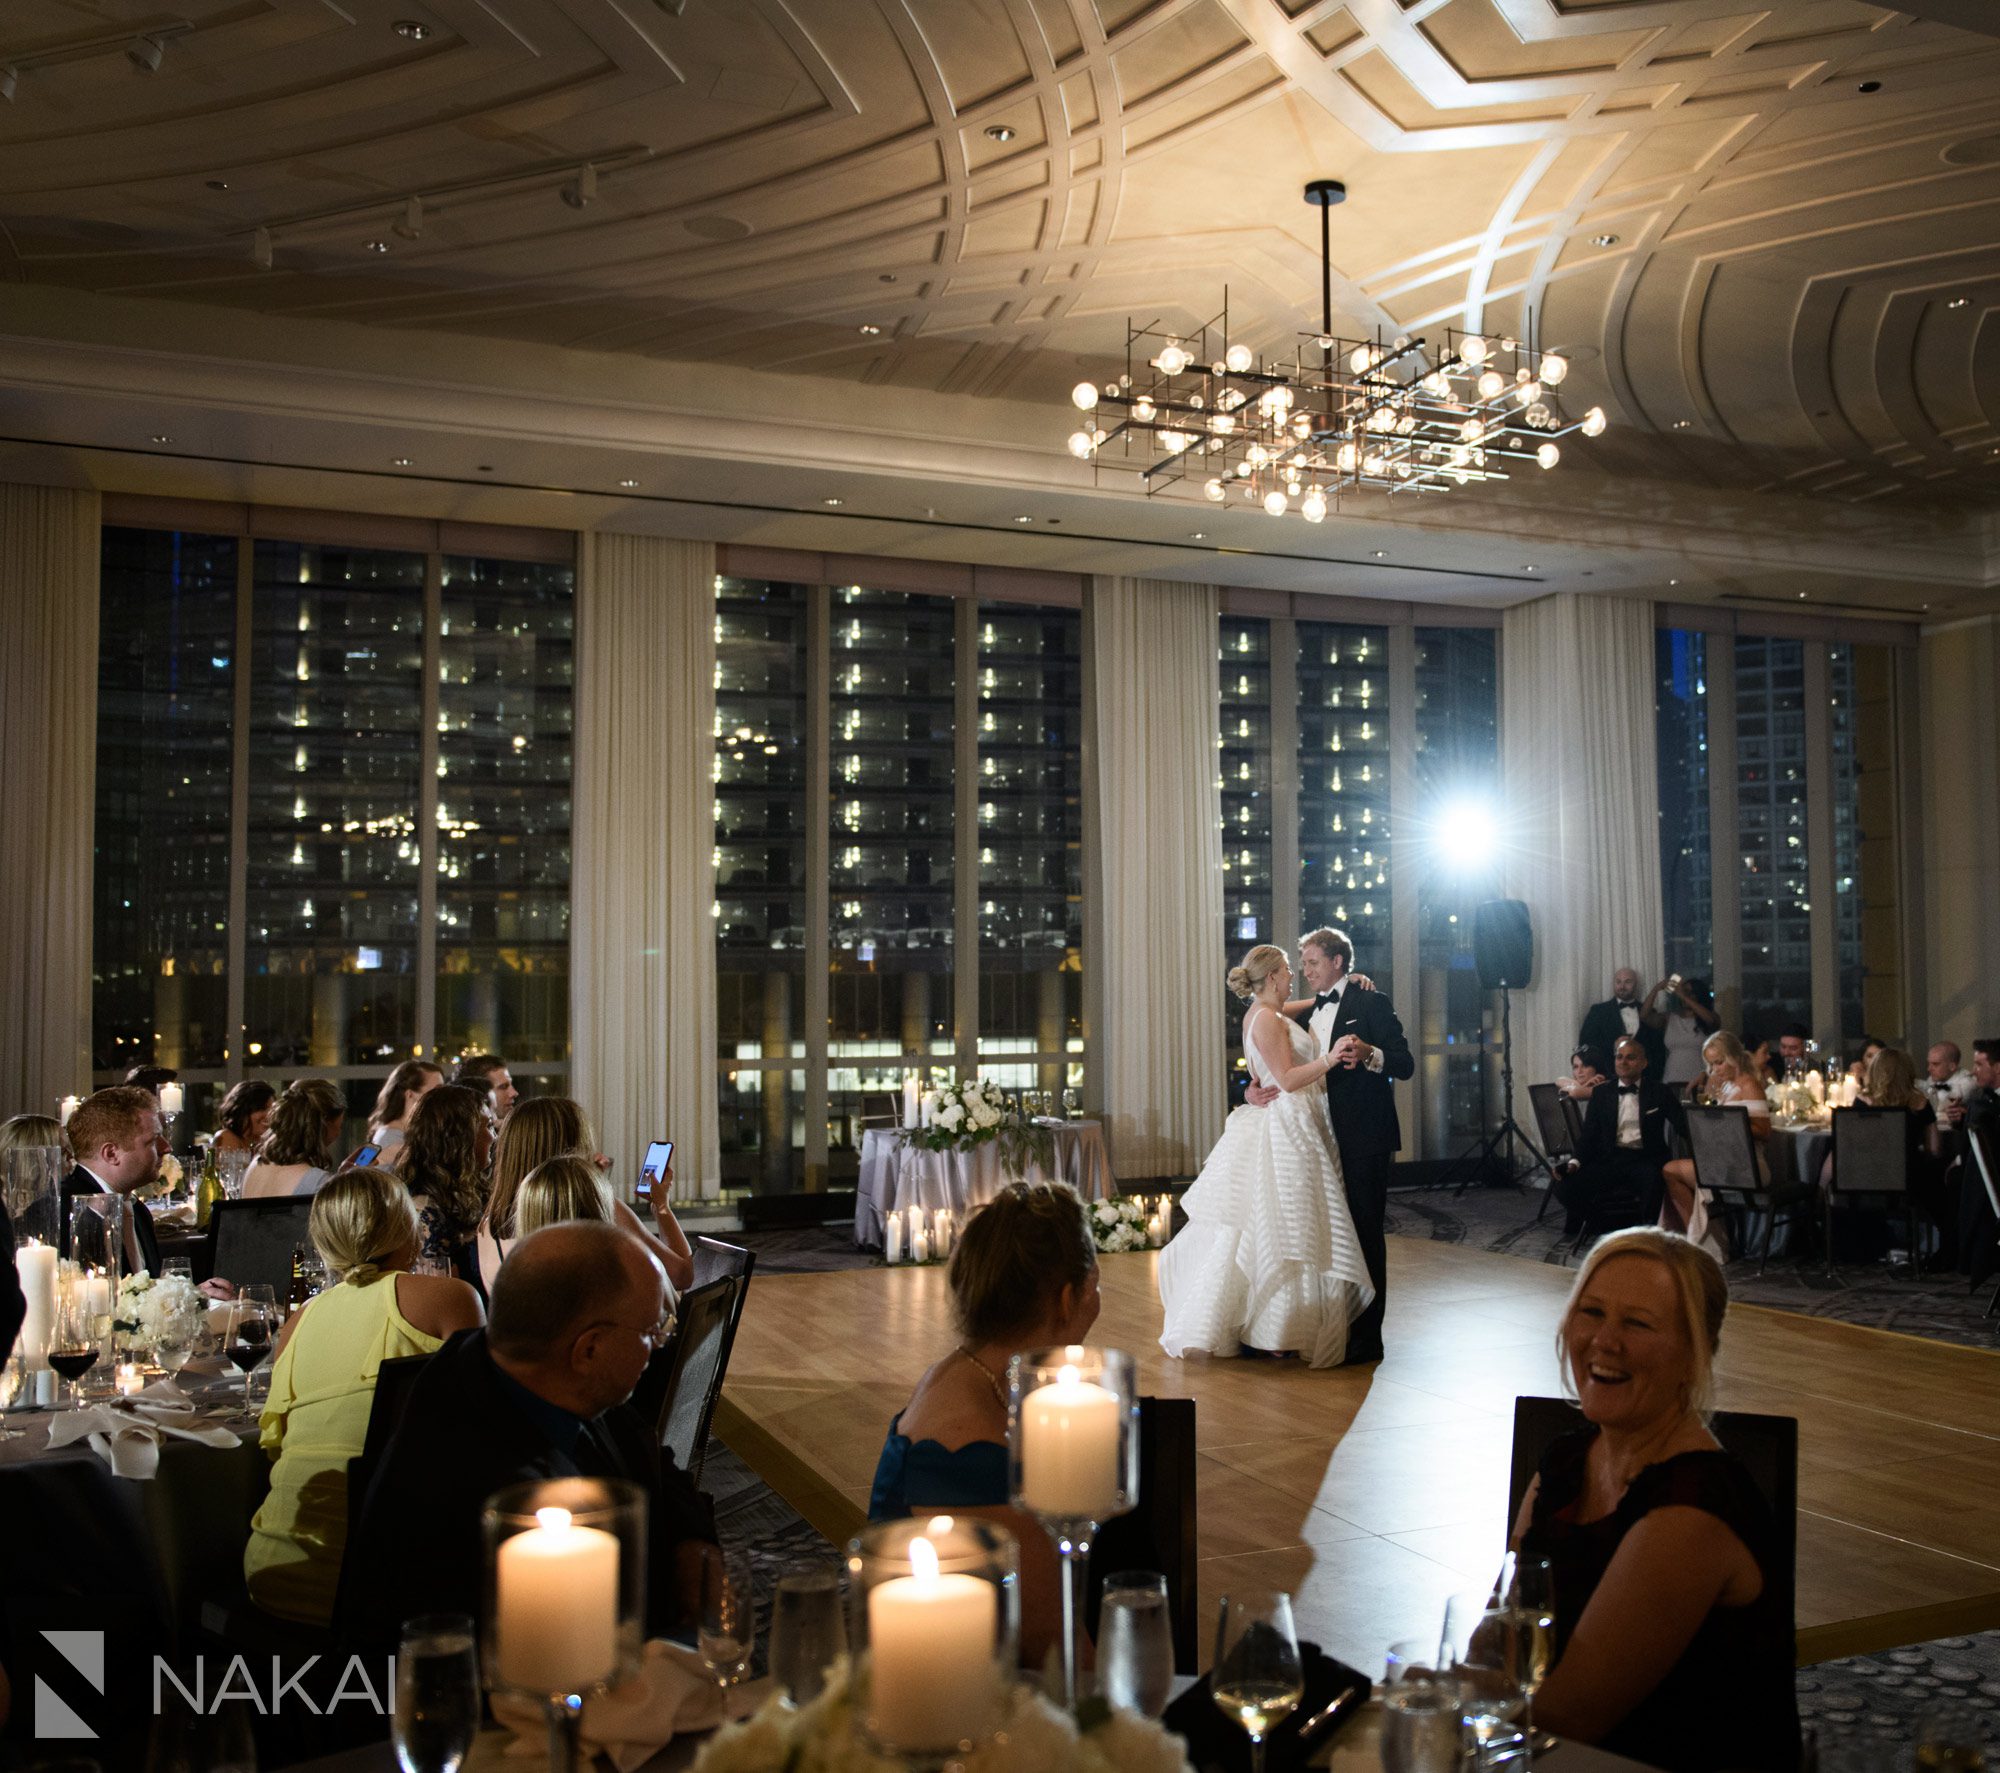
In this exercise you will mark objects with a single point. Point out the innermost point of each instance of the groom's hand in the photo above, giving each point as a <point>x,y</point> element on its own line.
<point>1262,1095</point>
<point>1350,1050</point>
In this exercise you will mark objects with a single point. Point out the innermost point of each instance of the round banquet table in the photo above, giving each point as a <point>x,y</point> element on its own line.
<point>896,1172</point>
<point>1795,1154</point>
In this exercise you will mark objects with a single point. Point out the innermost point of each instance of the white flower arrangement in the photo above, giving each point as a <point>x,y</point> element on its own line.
<point>146,1305</point>
<point>1035,1736</point>
<point>1119,1224</point>
<point>956,1116</point>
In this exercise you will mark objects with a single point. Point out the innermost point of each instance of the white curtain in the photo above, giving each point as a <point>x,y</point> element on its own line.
<point>1583,834</point>
<point>48,782</point>
<point>642,937</point>
<point>1158,1056</point>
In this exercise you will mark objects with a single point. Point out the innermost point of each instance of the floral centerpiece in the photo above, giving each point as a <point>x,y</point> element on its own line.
<point>145,1306</point>
<point>961,1115</point>
<point>166,1181</point>
<point>1034,1736</point>
<point>1120,1223</point>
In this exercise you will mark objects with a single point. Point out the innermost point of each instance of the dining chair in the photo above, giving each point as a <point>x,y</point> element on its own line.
<point>1871,1162</point>
<point>695,1361</point>
<point>1724,1150</point>
<point>1547,1101</point>
<point>1766,1446</point>
<point>253,1240</point>
<point>1986,1158</point>
<point>1159,1534</point>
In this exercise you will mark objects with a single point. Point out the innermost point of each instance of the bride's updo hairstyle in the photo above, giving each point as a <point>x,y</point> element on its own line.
<point>1258,965</point>
<point>1016,1255</point>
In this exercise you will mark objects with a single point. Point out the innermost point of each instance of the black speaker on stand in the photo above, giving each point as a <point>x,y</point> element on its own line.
<point>1503,949</point>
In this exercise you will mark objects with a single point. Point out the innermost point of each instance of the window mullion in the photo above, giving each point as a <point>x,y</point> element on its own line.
<point>427,806</point>
<point>819,908</point>
<point>1823,920</point>
<point>1284,728</point>
<point>965,839</point>
<point>234,1054</point>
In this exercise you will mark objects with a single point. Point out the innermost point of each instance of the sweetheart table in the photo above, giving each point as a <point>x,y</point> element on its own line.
<point>896,1172</point>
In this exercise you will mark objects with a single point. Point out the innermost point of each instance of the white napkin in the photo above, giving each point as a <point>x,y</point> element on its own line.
<point>127,1438</point>
<point>672,1693</point>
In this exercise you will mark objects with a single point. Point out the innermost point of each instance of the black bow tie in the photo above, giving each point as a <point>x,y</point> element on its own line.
<point>1628,1089</point>
<point>1327,997</point>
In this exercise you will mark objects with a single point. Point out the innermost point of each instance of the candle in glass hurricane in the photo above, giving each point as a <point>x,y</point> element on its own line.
<point>931,1637</point>
<point>558,1593</point>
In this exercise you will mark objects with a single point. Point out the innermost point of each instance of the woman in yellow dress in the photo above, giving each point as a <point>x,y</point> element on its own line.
<point>323,1383</point>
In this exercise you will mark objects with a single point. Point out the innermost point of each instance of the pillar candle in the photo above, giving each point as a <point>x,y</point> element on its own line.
<point>1069,1449</point>
<point>941,1232</point>
<point>171,1098</point>
<point>68,1106</point>
<point>930,1647</point>
<point>892,1239</point>
<point>913,1097</point>
<point>556,1605</point>
<point>36,1266</point>
<point>920,1242</point>
<point>130,1379</point>
<point>98,1292</point>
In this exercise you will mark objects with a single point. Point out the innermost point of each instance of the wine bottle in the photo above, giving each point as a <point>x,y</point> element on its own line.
<point>210,1190</point>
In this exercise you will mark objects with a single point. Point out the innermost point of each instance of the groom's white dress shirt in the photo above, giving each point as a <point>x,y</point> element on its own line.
<point>1322,1026</point>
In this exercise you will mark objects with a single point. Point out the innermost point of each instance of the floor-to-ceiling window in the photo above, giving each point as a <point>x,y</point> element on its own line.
<point>264,837</point>
<point>1686,869</point>
<point>1243,768</point>
<point>1343,774</point>
<point>1772,835</point>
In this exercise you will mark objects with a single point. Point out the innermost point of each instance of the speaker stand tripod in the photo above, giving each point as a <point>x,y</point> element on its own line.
<point>1477,1157</point>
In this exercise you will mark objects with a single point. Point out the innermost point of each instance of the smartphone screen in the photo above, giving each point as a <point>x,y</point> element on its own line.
<point>659,1155</point>
<point>366,1156</point>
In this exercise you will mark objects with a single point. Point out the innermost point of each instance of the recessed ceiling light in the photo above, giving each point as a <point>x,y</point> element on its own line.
<point>1958,301</point>
<point>1530,567</point>
<point>1869,86</point>
<point>1381,553</point>
<point>1682,424</point>
<point>161,437</point>
<point>378,246</point>
<point>1604,240</point>
<point>833,501</point>
<point>1673,581</point>
<point>999,132</point>
<point>218,184</point>
<point>1024,520</point>
<point>1802,597</point>
<point>401,462</point>
<point>628,484</point>
<point>869,330</point>
<point>413,28</point>
<point>1197,535</point>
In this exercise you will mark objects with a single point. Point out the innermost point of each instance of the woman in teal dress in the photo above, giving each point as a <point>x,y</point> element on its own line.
<point>1024,1276</point>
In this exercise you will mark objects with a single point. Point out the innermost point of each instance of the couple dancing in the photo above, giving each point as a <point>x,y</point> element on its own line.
<point>1283,1250</point>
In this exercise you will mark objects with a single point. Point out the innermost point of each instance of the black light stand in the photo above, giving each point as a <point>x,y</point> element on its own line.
<point>1477,1157</point>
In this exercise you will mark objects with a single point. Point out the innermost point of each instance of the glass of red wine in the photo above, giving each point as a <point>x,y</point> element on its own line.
<point>72,1349</point>
<point>253,1327</point>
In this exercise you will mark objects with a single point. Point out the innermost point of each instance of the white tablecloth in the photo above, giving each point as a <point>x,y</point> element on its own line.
<point>897,1173</point>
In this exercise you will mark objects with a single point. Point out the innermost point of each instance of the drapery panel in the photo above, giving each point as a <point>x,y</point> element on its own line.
<point>642,936</point>
<point>1582,833</point>
<point>1158,1055</point>
<point>48,783</point>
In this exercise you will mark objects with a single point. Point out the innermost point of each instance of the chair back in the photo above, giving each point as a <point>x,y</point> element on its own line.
<point>1766,1446</point>
<point>1549,1122</point>
<point>1160,1533</point>
<point>1723,1148</point>
<point>699,1357</point>
<point>1871,1151</point>
<point>1572,1119</point>
<point>254,1239</point>
<point>1986,1156</point>
<point>713,1258</point>
<point>394,1382</point>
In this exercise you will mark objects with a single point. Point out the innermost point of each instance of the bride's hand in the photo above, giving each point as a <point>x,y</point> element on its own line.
<point>1361,981</point>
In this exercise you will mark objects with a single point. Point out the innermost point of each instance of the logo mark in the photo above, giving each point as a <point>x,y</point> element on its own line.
<point>55,1719</point>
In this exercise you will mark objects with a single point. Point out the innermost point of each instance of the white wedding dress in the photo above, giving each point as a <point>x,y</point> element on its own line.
<point>1268,1255</point>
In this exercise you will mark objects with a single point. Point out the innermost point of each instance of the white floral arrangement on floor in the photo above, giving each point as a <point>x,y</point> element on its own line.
<point>145,1306</point>
<point>1035,1736</point>
<point>957,1115</point>
<point>1119,1224</point>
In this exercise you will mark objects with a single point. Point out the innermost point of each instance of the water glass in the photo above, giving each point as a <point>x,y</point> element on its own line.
<point>727,1615</point>
<point>437,1693</point>
<point>1135,1643</point>
<point>178,1268</point>
<point>1484,1648</point>
<point>1257,1680</point>
<point>1421,1732</point>
<point>807,1632</point>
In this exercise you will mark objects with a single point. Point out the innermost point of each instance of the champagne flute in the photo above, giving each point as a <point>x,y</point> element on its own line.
<point>437,1693</point>
<point>726,1632</point>
<point>1527,1590</point>
<point>1257,1680</point>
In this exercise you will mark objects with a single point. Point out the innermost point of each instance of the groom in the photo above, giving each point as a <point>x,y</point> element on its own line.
<point>1358,1026</point>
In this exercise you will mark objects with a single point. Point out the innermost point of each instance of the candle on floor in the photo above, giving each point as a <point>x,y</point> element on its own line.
<point>892,1239</point>
<point>941,1232</point>
<point>1069,1449</point>
<point>930,1646</point>
<point>36,1266</point>
<point>556,1605</point>
<point>920,1242</point>
<point>68,1106</point>
<point>1156,1230</point>
<point>913,1098</point>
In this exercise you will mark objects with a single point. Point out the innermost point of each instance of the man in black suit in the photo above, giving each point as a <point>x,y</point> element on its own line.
<point>1358,1026</point>
<point>577,1312</point>
<point>1978,1229</point>
<point>1606,1024</point>
<point>1619,1179</point>
<point>118,1140</point>
<point>13,1302</point>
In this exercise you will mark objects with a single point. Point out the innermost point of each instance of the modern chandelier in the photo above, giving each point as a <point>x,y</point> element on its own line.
<point>1340,416</point>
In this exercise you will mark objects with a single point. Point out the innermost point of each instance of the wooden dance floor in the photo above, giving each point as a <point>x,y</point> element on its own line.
<point>1373,1494</point>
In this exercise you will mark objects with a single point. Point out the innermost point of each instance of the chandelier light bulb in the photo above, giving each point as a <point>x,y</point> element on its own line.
<point>1469,431</point>
<point>1275,502</point>
<point>1083,396</point>
<point>1081,443</point>
<point>1528,393</point>
<point>1437,383</point>
<point>1548,455</point>
<point>1313,506</point>
<point>1302,426</point>
<point>1361,360</point>
<point>1238,358</point>
<point>1473,349</point>
<point>1593,422</point>
<point>1142,408</point>
<point>1277,401</point>
<point>1172,359</point>
<point>1214,490</point>
<point>1554,367</point>
<point>1373,465</point>
<point>1344,458</point>
<point>1491,385</point>
<point>1176,441</point>
<point>1256,455</point>
<point>1222,424</point>
<point>1243,472</point>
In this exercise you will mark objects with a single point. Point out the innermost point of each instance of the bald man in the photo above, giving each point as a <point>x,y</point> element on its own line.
<point>577,1311</point>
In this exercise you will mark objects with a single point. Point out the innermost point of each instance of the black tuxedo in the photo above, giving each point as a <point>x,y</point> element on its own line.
<point>1604,1027</point>
<point>1362,1107</point>
<point>1618,1185</point>
<point>1978,1230</point>
<point>414,1543</point>
<point>81,1181</point>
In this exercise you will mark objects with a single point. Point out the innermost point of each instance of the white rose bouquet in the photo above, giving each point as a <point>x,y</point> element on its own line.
<point>146,1306</point>
<point>1034,1737</point>
<point>1118,1224</point>
<point>957,1116</point>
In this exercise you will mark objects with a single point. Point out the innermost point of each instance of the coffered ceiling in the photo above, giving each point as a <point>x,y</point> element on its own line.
<point>1768,234</point>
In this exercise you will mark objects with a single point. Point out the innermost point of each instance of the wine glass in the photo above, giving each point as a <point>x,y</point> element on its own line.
<point>1257,1680</point>
<point>807,1635</point>
<point>437,1693</point>
<point>1135,1642</point>
<point>72,1348</point>
<point>726,1619</point>
<point>1527,1590</point>
<point>253,1323</point>
<point>177,1334</point>
<point>1486,1649</point>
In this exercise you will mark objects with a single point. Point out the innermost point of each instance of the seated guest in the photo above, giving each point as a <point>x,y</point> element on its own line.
<point>13,1302</point>
<point>1024,1275</point>
<point>539,1393</point>
<point>1978,1231</point>
<point>1791,1053</point>
<point>1683,1010</point>
<point>553,1126</point>
<point>1945,1079</point>
<point>1620,1160</point>
<point>1623,1012</point>
<point>295,1155</point>
<point>323,1383</point>
<point>1892,1083</point>
<point>402,1090</point>
<point>245,1116</point>
<point>32,1132</point>
<point>150,1077</point>
<point>118,1141</point>
<point>488,1073</point>
<point>563,1188</point>
<point>1588,1067</point>
<point>1870,1046</point>
<point>1731,1083</point>
<point>1672,1641</point>
<point>444,1166</point>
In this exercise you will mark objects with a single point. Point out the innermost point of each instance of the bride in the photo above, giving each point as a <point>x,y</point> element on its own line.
<point>1268,1259</point>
